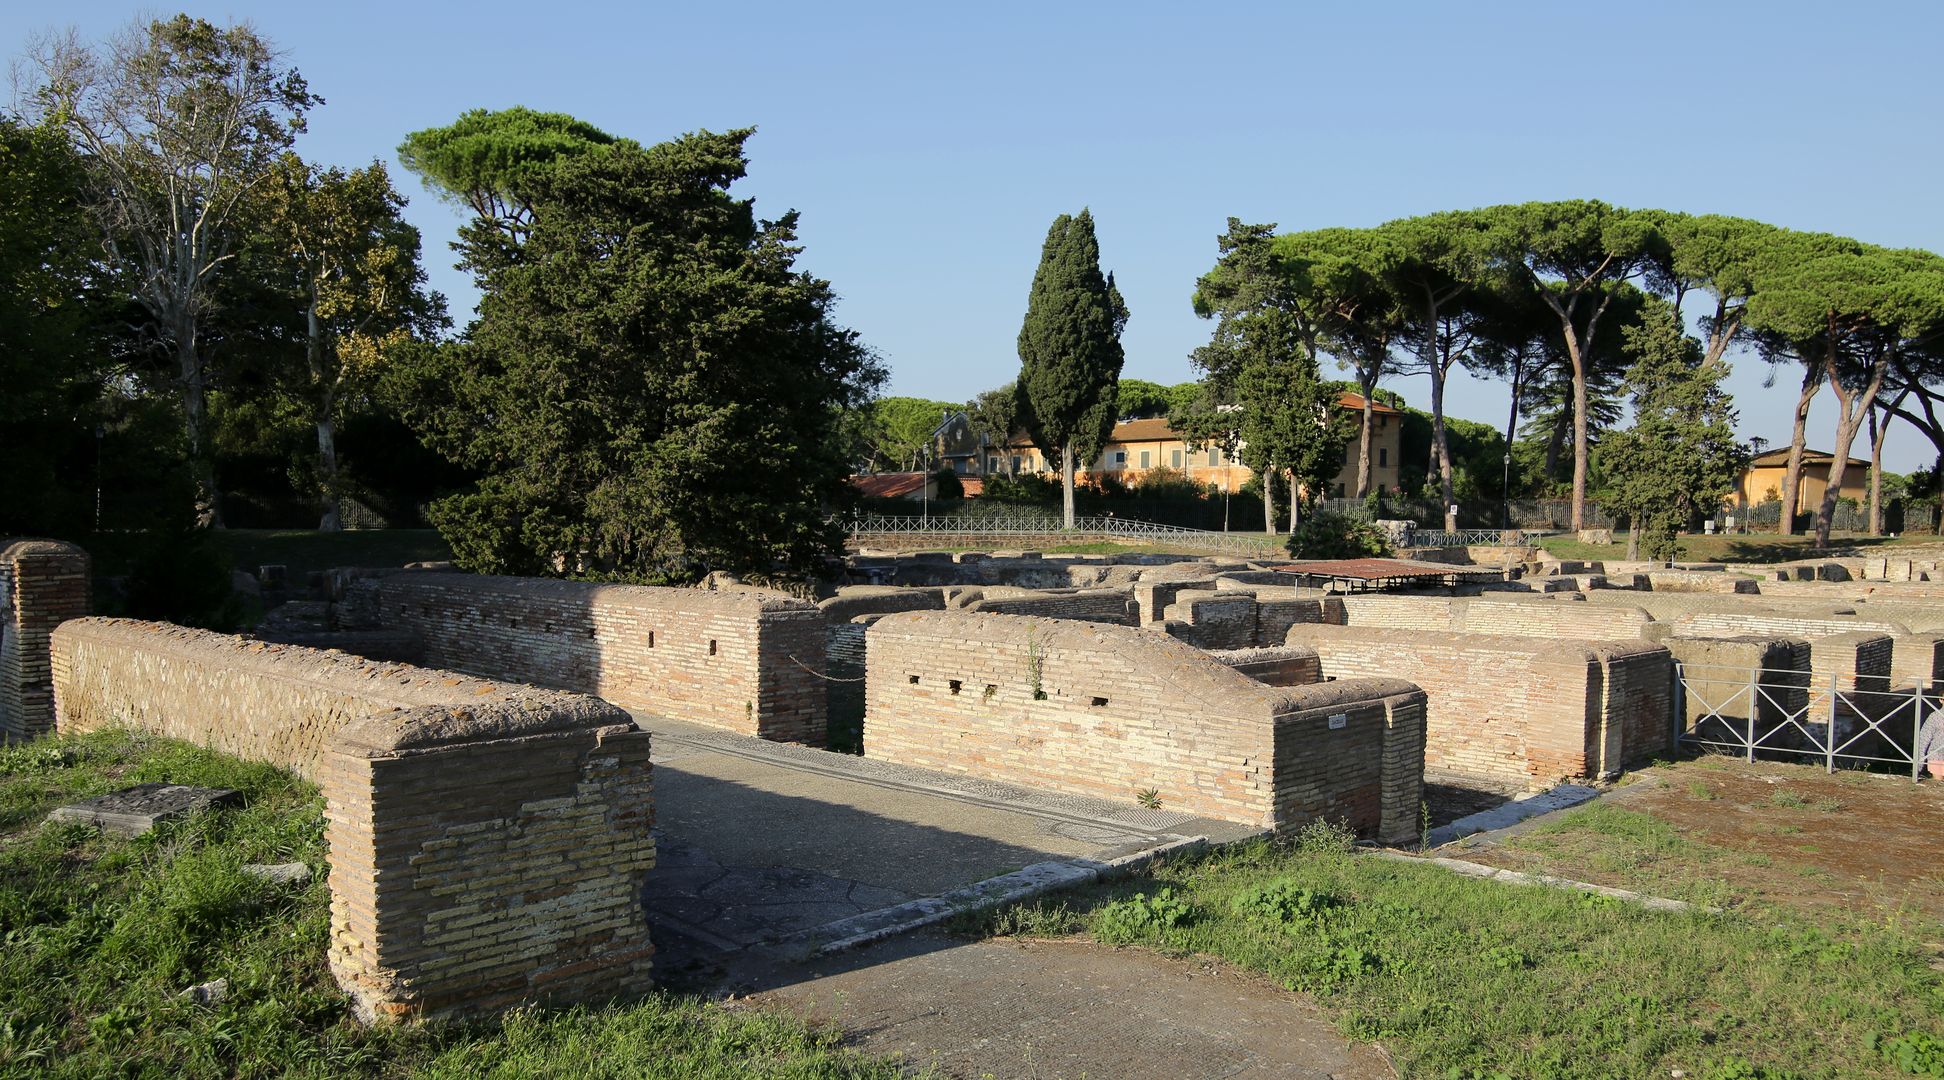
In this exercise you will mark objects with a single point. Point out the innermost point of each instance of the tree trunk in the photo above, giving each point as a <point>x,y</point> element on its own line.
<point>1579,437</point>
<point>195,416</point>
<point>1853,407</point>
<point>1367,414</point>
<point>1876,473</point>
<point>1269,499</point>
<point>1066,484</point>
<point>1633,538</point>
<point>1792,472</point>
<point>1441,447</point>
<point>327,466</point>
<point>1295,505</point>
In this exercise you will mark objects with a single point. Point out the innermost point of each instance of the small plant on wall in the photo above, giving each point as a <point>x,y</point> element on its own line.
<point>1035,665</point>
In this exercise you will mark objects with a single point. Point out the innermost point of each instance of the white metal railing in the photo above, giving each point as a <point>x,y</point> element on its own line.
<point>946,531</point>
<point>1828,717</point>
<point>1473,537</point>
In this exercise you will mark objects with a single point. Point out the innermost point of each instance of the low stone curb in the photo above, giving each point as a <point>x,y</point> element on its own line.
<point>1516,877</point>
<point>875,926</point>
<point>1521,809</point>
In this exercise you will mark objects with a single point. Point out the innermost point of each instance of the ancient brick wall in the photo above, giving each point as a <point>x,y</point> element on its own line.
<point>854,600</point>
<point>1734,680</point>
<point>1516,616</point>
<point>746,661</point>
<point>43,583</point>
<point>1709,581</point>
<point>488,841</point>
<point>1208,619</point>
<point>1113,711</point>
<point>1113,606</point>
<point>1512,712</point>
<point>1282,665</point>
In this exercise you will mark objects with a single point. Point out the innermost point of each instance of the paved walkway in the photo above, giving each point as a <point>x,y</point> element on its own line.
<point>768,851</point>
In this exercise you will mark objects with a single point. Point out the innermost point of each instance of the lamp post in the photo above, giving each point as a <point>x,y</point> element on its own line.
<point>1505,493</point>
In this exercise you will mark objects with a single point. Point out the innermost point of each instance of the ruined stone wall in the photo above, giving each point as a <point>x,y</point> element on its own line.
<point>43,583</point>
<point>1112,711</point>
<point>1515,616</point>
<point>1513,712</point>
<point>855,600</point>
<point>488,842</point>
<point>1792,624</point>
<point>1112,606</point>
<point>1208,619</point>
<point>1758,677</point>
<point>745,661</point>
<point>1282,665</point>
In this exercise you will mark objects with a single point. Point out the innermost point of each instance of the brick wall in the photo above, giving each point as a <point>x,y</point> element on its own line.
<point>1512,712</point>
<point>747,661</point>
<point>855,600</point>
<point>1731,680</point>
<point>1515,616</point>
<point>1208,619</point>
<point>1112,711</point>
<point>43,583</point>
<point>1113,606</point>
<point>1710,581</point>
<point>488,842</point>
<point>1283,665</point>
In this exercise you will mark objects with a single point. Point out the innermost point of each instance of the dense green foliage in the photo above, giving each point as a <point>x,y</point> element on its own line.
<point>652,390</point>
<point>102,936</point>
<point>1264,398</point>
<point>1327,535</point>
<point>1680,457</point>
<point>1069,350</point>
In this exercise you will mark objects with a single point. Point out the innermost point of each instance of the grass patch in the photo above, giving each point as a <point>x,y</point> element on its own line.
<point>1463,977</point>
<point>1750,548</point>
<point>99,936</point>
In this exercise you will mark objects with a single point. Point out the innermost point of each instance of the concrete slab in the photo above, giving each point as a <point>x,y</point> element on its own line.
<point>135,810</point>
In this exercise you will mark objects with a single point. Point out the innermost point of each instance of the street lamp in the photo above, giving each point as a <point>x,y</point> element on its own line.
<point>1505,493</point>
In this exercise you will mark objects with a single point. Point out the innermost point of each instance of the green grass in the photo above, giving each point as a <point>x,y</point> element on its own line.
<point>1460,977</point>
<point>99,936</point>
<point>1751,548</point>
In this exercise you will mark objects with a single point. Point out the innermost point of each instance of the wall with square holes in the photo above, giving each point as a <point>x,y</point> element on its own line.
<point>747,661</point>
<point>1113,712</point>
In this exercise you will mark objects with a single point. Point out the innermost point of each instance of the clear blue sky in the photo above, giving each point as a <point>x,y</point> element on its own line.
<point>928,146</point>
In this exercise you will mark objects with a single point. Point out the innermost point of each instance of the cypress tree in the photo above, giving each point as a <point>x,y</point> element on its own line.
<point>1069,350</point>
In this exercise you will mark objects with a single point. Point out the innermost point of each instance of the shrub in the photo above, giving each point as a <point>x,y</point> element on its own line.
<point>1024,488</point>
<point>1328,535</point>
<point>1140,916</point>
<point>948,485</point>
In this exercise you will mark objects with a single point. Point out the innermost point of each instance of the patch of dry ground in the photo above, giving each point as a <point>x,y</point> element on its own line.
<point>1869,844</point>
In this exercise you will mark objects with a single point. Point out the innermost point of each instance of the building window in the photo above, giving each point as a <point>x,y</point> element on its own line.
<point>1015,465</point>
<point>1120,457</point>
<point>1144,459</point>
<point>1383,456</point>
<point>992,464</point>
<point>1214,457</point>
<point>962,465</point>
<point>1177,459</point>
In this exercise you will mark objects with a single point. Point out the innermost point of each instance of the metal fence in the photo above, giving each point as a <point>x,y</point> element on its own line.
<point>1834,719</point>
<point>1474,537</point>
<point>979,530</point>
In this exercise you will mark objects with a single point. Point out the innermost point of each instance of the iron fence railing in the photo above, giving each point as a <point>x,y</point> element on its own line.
<point>1830,718</point>
<point>1472,537</point>
<point>969,529</point>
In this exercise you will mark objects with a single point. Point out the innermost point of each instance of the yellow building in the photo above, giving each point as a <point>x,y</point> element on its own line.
<point>1136,447</point>
<point>1762,480</point>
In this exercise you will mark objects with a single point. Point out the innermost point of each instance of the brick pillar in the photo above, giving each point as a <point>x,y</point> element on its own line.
<point>43,583</point>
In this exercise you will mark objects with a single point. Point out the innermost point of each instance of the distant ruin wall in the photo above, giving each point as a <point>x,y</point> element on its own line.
<point>1111,711</point>
<point>1112,606</point>
<point>1517,617</point>
<point>488,842</point>
<point>745,661</point>
<point>43,583</point>
<point>1514,712</point>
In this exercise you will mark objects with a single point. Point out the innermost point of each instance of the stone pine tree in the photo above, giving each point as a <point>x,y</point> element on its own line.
<point>653,389</point>
<point>1680,458</point>
<point>1069,350</point>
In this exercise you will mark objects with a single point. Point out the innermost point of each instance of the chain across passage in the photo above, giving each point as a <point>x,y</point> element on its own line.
<point>1823,717</point>
<point>947,530</point>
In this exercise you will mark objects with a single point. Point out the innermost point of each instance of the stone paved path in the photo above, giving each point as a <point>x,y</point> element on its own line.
<point>1065,1010</point>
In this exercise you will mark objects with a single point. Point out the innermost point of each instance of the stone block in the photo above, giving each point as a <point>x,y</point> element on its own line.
<point>133,811</point>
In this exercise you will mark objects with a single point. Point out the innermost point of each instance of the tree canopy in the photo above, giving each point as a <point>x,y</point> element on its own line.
<point>1069,349</point>
<point>656,391</point>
